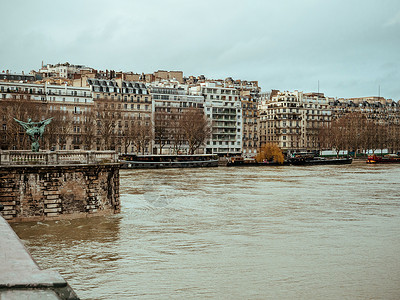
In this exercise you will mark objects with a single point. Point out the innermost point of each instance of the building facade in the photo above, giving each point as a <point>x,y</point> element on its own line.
<point>67,105</point>
<point>123,116</point>
<point>292,119</point>
<point>64,70</point>
<point>378,109</point>
<point>170,101</point>
<point>250,125</point>
<point>224,112</point>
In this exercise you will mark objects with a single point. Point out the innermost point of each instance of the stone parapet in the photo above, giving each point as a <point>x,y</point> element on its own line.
<point>25,157</point>
<point>41,192</point>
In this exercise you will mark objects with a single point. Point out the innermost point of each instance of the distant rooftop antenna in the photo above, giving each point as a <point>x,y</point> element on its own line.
<point>379,91</point>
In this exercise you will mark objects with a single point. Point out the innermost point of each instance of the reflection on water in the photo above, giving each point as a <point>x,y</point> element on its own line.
<point>321,232</point>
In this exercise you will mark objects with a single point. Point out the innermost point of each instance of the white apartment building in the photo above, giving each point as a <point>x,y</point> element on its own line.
<point>170,99</point>
<point>224,111</point>
<point>58,99</point>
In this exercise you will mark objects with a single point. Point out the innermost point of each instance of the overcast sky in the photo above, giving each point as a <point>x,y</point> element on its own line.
<point>351,47</point>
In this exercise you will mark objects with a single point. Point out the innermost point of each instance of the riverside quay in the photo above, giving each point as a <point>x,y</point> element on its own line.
<point>143,113</point>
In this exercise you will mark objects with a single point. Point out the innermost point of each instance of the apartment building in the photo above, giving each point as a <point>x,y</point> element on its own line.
<point>291,119</point>
<point>64,70</point>
<point>123,115</point>
<point>170,100</point>
<point>249,96</point>
<point>7,76</point>
<point>66,104</point>
<point>382,111</point>
<point>224,111</point>
<point>250,119</point>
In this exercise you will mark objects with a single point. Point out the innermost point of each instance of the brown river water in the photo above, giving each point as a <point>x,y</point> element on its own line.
<point>315,232</point>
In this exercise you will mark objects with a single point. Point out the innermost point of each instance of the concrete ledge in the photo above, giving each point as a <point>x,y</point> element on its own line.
<point>21,277</point>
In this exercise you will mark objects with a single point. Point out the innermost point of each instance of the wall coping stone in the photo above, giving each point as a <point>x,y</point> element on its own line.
<point>46,157</point>
<point>19,271</point>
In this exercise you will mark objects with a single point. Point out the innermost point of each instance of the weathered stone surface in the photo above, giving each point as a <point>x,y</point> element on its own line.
<point>6,198</point>
<point>52,201</point>
<point>52,206</point>
<point>38,192</point>
<point>20,276</point>
<point>5,203</point>
<point>52,214</point>
<point>53,192</point>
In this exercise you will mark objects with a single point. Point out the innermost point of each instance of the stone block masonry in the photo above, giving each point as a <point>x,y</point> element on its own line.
<point>45,192</point>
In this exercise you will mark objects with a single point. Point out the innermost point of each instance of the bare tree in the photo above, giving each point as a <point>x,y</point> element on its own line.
<point>21,108</point>
<point>382,137</point>
<point>394,134</point>
<point>105,116</point>
<point>161,132</point>
<point>355,124</point>
<point>176,132</point>
<point>128,135</point>
<point>60,129</point>
<point>88,125</point>
<point>143,136</point>
<point>371,133</point>
<point>195,128</point>
<point>337,135</point>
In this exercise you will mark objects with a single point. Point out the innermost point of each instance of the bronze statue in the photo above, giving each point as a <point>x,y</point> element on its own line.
<point>34,130</point>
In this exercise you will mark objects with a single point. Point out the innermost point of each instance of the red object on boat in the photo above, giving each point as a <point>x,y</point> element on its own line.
<point>387,159</point>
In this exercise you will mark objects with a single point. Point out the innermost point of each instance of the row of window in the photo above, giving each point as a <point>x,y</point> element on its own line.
<point>60,92</point>
<point>215,143</point>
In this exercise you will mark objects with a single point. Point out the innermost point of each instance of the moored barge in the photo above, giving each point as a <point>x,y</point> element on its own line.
<point>251,162</point>
<point>132,161</point>
<point>310,159</point>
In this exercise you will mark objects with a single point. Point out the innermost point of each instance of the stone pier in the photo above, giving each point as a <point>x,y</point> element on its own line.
<point>51,185</point>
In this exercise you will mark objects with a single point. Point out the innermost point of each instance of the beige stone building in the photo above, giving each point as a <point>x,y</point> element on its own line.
<point>105,115</point>
<point>250,125</point>
<point>68,106</point>
<point>382,111</point>
<point>292,119</point>
<point>123,116</point>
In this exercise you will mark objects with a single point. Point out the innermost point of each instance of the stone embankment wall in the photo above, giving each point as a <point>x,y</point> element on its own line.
<point>31,193</point>
<point>21,277</point>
